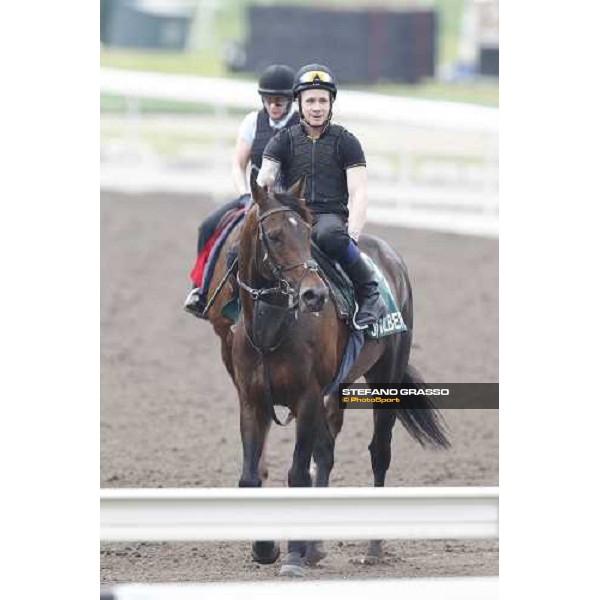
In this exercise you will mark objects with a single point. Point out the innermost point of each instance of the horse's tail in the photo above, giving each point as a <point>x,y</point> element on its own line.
<point>420,415</point>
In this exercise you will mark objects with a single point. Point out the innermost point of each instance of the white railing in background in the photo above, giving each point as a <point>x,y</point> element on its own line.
<point>431,163</point>
<point>242,94</point>
<point>299,513</point>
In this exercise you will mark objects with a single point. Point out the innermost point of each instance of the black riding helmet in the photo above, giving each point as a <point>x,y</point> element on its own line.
<point>276,80</point>
<point>315,77</point>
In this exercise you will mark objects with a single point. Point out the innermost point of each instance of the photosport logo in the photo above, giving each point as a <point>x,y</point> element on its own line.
<point>397,396</point>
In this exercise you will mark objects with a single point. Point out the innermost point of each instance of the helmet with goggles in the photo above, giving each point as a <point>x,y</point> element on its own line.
<point>315,77</point>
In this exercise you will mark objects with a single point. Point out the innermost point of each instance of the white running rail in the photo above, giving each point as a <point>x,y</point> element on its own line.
<point>299,513</point>
<point>446,588</point>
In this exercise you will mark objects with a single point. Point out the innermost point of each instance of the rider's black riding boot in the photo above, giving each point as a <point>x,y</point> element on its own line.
<point>370,303</point>
<point>195,304</point>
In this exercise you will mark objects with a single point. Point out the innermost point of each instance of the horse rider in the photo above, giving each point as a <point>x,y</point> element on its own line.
<point>257,128</point>
<point>333,163</point>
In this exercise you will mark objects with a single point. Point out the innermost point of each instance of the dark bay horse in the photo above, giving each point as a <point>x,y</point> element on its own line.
<point>287,346</point>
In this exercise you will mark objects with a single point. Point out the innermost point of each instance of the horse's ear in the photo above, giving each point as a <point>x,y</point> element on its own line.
<point>259,194</point>
<point>253,175</point>
<point>297,190</point>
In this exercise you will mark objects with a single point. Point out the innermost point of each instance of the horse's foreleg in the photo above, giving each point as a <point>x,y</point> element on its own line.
<point>323,455</point>
<point>324,459</point>
<point>327,431</point>
<point>254,426</point>
<point>309,415</point>
<point>308,420</point>
<point>263,464</point>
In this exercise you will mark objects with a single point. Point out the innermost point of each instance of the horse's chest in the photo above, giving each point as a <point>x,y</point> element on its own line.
<point>290,377</point>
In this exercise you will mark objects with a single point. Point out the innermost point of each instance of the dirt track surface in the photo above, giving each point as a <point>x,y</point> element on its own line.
<point>169,414</point>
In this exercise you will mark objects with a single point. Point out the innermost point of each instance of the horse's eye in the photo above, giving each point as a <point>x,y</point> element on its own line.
<point>275,236</point>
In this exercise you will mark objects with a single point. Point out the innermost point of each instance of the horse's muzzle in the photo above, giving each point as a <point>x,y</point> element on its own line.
<point>313,298</point>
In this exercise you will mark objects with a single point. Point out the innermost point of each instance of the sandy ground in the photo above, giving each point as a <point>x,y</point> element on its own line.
<point>158,429</point>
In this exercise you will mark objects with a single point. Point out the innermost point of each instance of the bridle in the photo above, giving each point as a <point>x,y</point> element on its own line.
<point>283,287</point>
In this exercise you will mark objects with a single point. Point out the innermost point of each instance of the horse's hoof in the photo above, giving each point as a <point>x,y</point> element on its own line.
<point>291,571</point>
<point>314,553</point>
<point>292,565</point>
<point>265,553</point>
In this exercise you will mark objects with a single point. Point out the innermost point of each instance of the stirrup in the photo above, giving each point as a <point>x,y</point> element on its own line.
<point>194,305</point>
<point>356,325</point>
<point>380,311</point>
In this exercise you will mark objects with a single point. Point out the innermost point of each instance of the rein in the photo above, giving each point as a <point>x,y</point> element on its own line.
<point>283,288</point>
<point>217,291</point>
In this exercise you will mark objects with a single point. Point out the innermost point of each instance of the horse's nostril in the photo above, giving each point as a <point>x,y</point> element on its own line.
<point>314,299</point>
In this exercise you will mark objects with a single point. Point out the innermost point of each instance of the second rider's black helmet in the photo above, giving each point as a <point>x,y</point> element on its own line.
<point>276,80</point>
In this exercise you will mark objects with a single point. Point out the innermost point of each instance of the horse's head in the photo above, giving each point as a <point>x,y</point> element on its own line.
<point>277,234</point>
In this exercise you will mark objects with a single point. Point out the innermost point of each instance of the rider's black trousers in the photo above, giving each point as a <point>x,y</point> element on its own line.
<point>330,233</point>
